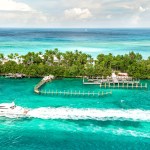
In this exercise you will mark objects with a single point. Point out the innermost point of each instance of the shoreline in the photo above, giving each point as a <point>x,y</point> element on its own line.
<point>60,77</point>
<point>73,65</point>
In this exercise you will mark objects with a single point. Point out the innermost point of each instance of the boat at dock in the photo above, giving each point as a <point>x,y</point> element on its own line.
<point>11,110</point>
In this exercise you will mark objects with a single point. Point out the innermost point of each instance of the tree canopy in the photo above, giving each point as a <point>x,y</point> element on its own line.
<point>73,64</point>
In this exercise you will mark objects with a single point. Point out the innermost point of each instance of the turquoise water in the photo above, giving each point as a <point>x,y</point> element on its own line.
<point>92,41</point>
<point>118,121</point>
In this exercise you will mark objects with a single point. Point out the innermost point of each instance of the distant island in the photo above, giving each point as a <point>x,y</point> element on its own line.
<point>74,64</point>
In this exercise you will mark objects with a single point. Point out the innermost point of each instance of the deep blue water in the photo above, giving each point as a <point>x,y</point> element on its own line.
<point>93,41</point>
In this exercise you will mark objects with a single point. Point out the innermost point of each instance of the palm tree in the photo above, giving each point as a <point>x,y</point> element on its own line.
<point>11,56</point>
<point>1,56</point>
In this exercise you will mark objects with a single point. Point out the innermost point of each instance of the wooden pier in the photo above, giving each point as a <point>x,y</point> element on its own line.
<point>36,88</point>
<point>42,82</point>
<point>65,93</point>
<point>75,93</point>
<point>108,83</point>
<point>124,85</point>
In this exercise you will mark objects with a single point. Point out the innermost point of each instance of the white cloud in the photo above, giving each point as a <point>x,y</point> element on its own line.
<point>23,19</point>
<point>69,13</point>
<point>78,13</point>
<point>142,9</point>
<point>12,5</point>
<point>19,14</point>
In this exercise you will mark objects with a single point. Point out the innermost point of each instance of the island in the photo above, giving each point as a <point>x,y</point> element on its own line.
<point>73,64</point>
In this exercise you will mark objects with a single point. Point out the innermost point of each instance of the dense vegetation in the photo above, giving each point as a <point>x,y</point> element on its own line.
<point>73,64</point>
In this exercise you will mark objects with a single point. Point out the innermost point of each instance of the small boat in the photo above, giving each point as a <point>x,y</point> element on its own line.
<point>11,110</point>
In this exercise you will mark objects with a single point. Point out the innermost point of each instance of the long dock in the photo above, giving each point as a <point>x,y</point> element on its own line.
<point>65,93</point>
<point>36,88</point>
<point>42,82</point>
<point>104,83</point>
<point>75,93</point>
<point>124,85</point>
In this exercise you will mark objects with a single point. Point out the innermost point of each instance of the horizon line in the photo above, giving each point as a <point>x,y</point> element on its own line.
<point>74,28</point>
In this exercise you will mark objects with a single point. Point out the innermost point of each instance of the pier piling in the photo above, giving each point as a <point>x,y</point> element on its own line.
<point>116,83</point>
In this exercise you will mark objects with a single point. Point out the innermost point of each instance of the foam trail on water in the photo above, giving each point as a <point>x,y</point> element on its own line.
<point>125,132</point>
<point>94,114</point>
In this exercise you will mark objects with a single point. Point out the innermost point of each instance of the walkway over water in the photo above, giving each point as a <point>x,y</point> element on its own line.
<point>42,82</point>
<point>66,92</point>
<point>75,93</point>
<point>115,83</point>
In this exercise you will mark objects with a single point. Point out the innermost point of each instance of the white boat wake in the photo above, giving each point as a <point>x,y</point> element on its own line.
<point>10,110</point>
<point>93,114</point>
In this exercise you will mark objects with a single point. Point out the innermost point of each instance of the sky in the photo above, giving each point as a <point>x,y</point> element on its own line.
<point>75,13</point>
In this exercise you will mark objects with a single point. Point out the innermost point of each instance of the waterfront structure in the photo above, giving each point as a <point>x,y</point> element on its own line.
<point>16,75</point>
<point>65,93</point>
<point>74,93</point>
<point>122,80</point>
<point>42,82</point>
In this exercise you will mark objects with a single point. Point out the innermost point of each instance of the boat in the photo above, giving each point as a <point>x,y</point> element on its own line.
<point>11,110</point>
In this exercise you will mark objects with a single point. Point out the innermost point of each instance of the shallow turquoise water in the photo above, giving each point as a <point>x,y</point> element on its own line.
<point>43,132</point>
<point>91,41</point>
<point>83,129</point>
